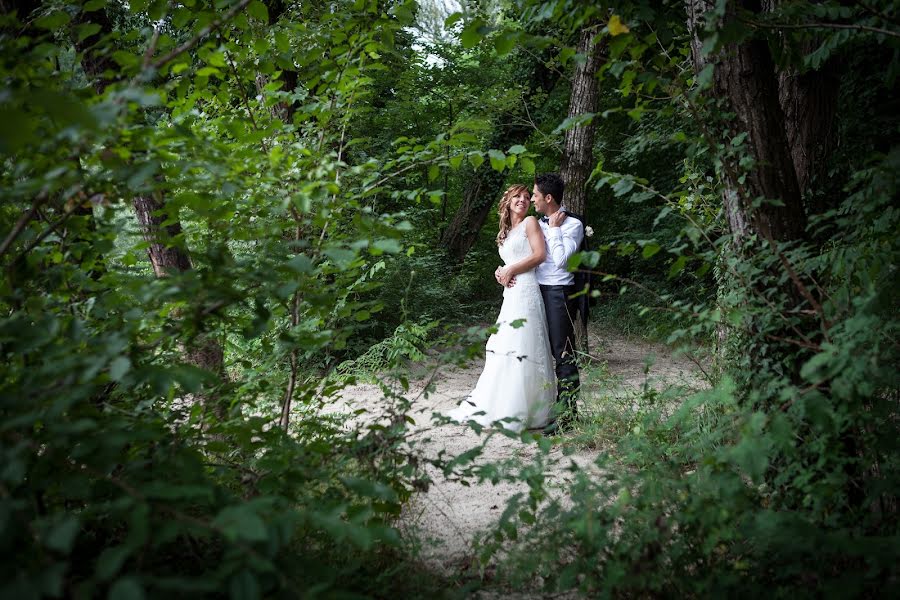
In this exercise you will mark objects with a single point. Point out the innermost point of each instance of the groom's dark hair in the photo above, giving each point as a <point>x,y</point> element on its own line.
<point>552,184</point>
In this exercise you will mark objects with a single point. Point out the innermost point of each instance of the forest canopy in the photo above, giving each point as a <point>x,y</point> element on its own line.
<point>218,214</point>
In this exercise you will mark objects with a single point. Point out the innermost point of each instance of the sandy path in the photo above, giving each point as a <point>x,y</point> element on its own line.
<point>449,516</point>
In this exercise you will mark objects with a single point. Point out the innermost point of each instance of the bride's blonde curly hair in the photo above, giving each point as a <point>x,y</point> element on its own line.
<point>503,210</point>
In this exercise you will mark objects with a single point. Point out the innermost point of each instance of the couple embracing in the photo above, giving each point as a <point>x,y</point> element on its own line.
<point>530,378</point>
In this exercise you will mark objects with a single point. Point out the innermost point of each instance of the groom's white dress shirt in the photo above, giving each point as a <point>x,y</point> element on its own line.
<point>562,243</point>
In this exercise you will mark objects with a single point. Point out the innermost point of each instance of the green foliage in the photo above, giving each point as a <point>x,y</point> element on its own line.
<point>136,462</point>
<point>302,161</point>
<point>782,478</point>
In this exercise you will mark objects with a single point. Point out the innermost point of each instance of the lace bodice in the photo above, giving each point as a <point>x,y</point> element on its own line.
<point>514,249</point>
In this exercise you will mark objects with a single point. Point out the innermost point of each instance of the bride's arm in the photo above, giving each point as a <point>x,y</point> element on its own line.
<point>538,252</point>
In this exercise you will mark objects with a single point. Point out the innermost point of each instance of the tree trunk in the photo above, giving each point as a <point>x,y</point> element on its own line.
<point>788,120</point>
<point>204,351</point>
<point>578,155</point>
<point>166,259</point>
<point>483,191</point>
<point>745,75</point>
<point>479,196</point>
<point>283,111</point>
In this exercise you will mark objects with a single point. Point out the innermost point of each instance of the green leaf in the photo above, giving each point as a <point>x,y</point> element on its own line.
<point>341,257</point>
<point>258,10</point>
<point>119,367</point>
<point>434,172</point>
<point>93,5</point>
<point>527,165</point>
<point>517,149</point>
<point>476,159</point>
<point>126,588</point>
<point>498,160</point>
<point>472,33</point>
<point>369,489</point>
<point>244,586</point>
<point>241,522</point>
<point>110,561</point>
<point>505,42</point>
<point>390,246</point>
<point>86,30</point>
<point>452,19</point>
<point>677,266</point>
<point>53,21</point>
<point>61,535</point>
<point>191,377</point>
<point>300,264</point>
<point>650,250</point>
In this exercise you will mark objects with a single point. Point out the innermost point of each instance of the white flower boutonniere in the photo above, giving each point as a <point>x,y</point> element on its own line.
<point>588,231</point>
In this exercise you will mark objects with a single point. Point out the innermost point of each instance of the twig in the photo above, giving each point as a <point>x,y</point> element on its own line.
<point>22,222</point>
<point>243,93</point>
<point>40,238</point>
<point>200,36</point>
<point>819,25</point>
<point>151,49</point>
<point>798,283</point>
<point>878,13</point>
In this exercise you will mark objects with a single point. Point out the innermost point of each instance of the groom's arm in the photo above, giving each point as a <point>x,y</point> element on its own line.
<point>563,241</point>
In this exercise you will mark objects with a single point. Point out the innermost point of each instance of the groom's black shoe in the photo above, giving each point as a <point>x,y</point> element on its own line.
<point>559,425</point>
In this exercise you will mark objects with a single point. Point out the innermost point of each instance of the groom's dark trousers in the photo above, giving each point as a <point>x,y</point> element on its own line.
<point>560,312</point>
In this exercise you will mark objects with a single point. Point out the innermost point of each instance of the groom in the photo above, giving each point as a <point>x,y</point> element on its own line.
<point>563,237</point>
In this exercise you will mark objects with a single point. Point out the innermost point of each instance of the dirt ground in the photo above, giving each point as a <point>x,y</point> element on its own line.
<point>449,516</point>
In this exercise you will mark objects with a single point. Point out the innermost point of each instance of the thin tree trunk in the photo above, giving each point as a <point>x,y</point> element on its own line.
<point>289,78</point>
<point>578,155</point>
<point>167,258</point>
<point>483,190</point>
<point>479,196</point>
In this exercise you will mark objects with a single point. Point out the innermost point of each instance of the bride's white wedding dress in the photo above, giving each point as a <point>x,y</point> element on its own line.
<point>518,381</point>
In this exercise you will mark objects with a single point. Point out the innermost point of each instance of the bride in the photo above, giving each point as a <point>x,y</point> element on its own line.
<point>518,383</point>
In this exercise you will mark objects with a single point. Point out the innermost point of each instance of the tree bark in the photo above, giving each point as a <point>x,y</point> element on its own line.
<point>785,127</point>
<point>205,351</point>
<point>483,190</point>
<point>289,78</point>
<point>166,259</point>
<point>479,196</point>
<point>578,156</point>
<point>745,76</point>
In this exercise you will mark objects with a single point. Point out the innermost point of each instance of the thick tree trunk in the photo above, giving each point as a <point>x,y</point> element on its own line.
<point>809,101</point>
<point>745,75</point>
<point>578,155</point>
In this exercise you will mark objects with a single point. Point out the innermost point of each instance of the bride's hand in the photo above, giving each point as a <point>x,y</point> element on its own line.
<point>505,277</point>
